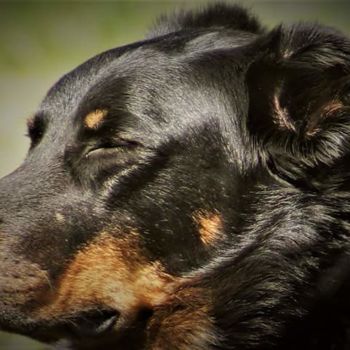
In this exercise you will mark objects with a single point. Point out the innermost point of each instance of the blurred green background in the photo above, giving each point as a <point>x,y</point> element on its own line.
<point>41,40</point>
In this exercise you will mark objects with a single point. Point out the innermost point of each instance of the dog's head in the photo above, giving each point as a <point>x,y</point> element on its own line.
<point>145,160</point>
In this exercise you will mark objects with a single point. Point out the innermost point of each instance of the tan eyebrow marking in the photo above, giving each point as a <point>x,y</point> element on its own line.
<point>94,119</point>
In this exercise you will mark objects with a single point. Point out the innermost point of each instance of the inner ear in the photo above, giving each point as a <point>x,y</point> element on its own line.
<point>291,100</point>
<point>298,104</point>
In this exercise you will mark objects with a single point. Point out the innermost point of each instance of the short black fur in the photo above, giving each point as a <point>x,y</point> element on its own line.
<point>213,155</point>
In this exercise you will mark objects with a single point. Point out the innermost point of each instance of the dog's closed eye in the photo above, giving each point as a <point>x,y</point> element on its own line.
<point>109,147</point>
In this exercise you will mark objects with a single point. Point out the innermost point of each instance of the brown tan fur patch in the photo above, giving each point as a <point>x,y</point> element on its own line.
<point>112,272</point>
<point>183,323</point>
<point>93,119</point>
<point>210,226</point>
<point>281,115</point>
<point>325,111</point>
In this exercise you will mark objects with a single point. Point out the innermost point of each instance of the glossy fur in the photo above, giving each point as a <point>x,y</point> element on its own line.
<point>187,192</point>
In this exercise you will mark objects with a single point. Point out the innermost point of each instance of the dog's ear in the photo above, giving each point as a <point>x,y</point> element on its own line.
<point>299,95</point>
<point>215,15</point>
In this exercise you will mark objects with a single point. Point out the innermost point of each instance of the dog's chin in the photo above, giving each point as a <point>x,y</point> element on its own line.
<point>86,329</point>
<point>76,325</point>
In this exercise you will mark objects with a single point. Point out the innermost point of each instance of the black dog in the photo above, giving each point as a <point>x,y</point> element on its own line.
<point>190,191</point>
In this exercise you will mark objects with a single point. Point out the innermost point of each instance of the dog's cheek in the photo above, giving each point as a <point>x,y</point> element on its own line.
<point>109,272</point>
<point>209,227</point>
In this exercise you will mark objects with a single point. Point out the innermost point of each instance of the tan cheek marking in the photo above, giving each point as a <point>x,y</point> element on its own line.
<point>60,218</point>
<point>94,119</point>
<point>210,227</point>
<point>183,323</point>
<point>111,272</point>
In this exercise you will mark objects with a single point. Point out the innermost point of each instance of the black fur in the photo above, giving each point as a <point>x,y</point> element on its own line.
<point>211,114</point>
<point>217,16</point>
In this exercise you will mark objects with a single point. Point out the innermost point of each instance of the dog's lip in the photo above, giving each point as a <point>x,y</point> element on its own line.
<point>80,324</point>
<point>91,322</point>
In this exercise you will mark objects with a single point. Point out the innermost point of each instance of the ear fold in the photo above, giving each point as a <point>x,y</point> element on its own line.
<point>299,92</point>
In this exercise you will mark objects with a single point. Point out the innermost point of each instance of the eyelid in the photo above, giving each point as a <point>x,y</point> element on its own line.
<point>120,142</point>
<point>110,145</point>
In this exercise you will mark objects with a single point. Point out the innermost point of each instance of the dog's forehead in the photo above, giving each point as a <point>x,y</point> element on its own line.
<point>138,71</point>
<point>118,78</point>
<point>129,90</point>
<point>67,94</point>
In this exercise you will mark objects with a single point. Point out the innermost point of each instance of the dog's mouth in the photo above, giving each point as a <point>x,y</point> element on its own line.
<point>87,323</point>
<point>78,326</point>
<point>108,290</point>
